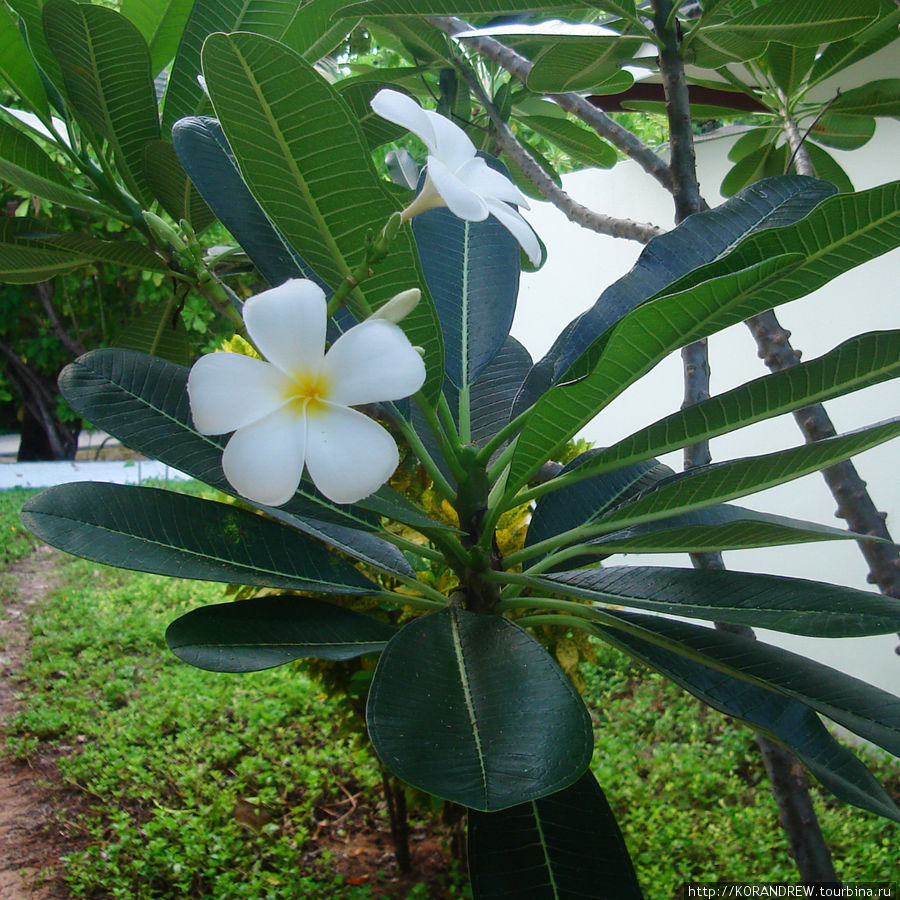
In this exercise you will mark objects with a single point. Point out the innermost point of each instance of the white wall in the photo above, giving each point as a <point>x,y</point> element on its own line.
<point>581,264</point>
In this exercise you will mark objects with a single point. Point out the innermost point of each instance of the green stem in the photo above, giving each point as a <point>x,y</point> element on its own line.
<point>446,417</point>
<point>465,416</point>
<point>424,457</point>
<point>450,452</point>
<point>416,602</point>
<point>412,547</point>
<point>497,441</point>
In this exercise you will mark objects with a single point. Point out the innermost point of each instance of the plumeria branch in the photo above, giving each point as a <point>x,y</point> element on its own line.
<point>549,190</point>
<point>518,66</point>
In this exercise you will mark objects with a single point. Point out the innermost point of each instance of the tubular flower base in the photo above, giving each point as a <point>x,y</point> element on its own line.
<point>455,176</point>
<point>294,410</point>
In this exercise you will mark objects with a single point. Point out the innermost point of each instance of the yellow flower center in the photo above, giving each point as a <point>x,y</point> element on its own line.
<point>308,392</point>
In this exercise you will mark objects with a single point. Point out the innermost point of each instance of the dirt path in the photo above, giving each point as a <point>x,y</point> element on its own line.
<point>31,842</point>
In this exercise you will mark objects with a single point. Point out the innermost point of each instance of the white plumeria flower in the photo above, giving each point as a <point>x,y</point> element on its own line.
<point>455,176</point>
<point>293,411</point>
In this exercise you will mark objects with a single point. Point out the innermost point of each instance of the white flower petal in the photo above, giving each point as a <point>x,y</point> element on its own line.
<point>348,455</point>
<point>372,361</point>
<point>264,461</point>
<point>518,227</point>
<point>402,110</point>
<point>488,182</point>
<point>461,200</point>
<point>228,391</point>
<point>453,145</point>
<point>287,324</point>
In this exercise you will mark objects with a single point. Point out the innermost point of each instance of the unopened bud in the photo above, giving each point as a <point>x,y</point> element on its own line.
<point>163,231</point>
<point>399,306</point>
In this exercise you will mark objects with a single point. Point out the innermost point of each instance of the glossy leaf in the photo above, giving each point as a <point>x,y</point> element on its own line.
<point>793,605</point>
<point>472,272</point>
<point>106,69</point>
<point>582,145</point>
<point>208,160</point>
<point>857,363</point>
<point>877,98</point>
<point>17,66</point>
<point>709,485</point>
<point>866,710</point>
<point>323,195</point>
<point>151,530</point>
<point>170,184</point>
<point>469,707</point>
<point>262,632</point>
<point>579,64</point>
<point>785,720</point>
<point>161,22</point>
<point>24,164</point>
<point>566,845</point>
<point>802,23</point>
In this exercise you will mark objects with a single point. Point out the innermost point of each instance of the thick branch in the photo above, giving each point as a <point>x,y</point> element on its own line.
<point>576,212</point>
<point>799,154</point>
<point>605,126</point>
<point>789,783</point>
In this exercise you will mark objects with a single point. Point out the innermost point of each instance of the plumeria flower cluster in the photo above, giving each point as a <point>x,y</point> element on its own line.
<point>455,176</point>
<point>292,410</point>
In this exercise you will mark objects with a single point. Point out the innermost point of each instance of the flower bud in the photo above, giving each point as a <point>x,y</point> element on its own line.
<point>399,306</point>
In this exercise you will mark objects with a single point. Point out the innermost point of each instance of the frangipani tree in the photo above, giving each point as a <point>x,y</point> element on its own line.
<point>465,703</point>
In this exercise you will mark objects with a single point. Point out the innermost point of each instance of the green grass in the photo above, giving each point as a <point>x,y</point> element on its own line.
<point>163,755</point>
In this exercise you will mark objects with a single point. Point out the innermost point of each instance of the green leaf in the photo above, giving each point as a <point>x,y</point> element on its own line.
<point>262,632</point>
<point>151,530</point>
<point>564,845</point>
<point>18,68</point>
<point>323,194</point>
<point>464,8</point>
<point>358,95</point>
<point>709,485</point>
<point>867,711</point>
<point>458,696</point>
<point>143,401</point>
<point>208,160</point>
<point>789,65</point>
<point>582,145</point>
<point>716,46</point>
<point>752,140</point>
<point>842,131</point>
<point>787,721</point>
<point>157,332</point>
<point>717,528</point>
<point>827,167</point>
<point>770,159</point>
<point>642,339</point>
<point>30,12</point>
<point>472,272</point>
<point>106,70</point>
<point>877,98</point>
<point>579,63</point>
<point>493,394</point>
<point>161,22</point>
<point>24,164</point>
<point>317,29</point>
<point>170,184</point>
<point>802,23</point>
<point>792,605</point>
<point>864,360</point>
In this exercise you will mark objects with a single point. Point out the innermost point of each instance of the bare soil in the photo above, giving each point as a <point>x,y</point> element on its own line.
<point>32,841</point>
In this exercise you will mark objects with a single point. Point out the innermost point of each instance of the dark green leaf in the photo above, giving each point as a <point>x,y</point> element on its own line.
<point>789,65</point>
<point>471,708</point>
<point>752,140</point>
<point>161,22</point>
<point>868,711</point>
<point>322,194</point>
<point>793,605</point>
<point>170,184</point>
<point>262,632</point>
<point>842,131</point>
<point>787,721</point>
<point>158,332</point>
<point>466,8</point>
<point>567,845</point>
<point>580,64</point>
<point>151,530</point>
<point>211,165</point>
<point>764,162</point>
<point>31,21</point>
<point>827,167</point>
<point>18,68</point>
<point>106,69</point>
<point>472,272</point>
<point>358,95</point>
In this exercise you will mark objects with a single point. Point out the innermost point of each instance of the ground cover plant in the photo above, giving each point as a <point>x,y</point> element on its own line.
<point>384,337</point>
<point>173,804</point>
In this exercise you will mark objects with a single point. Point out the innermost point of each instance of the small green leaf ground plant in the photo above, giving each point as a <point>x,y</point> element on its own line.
<point>465,703</point>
